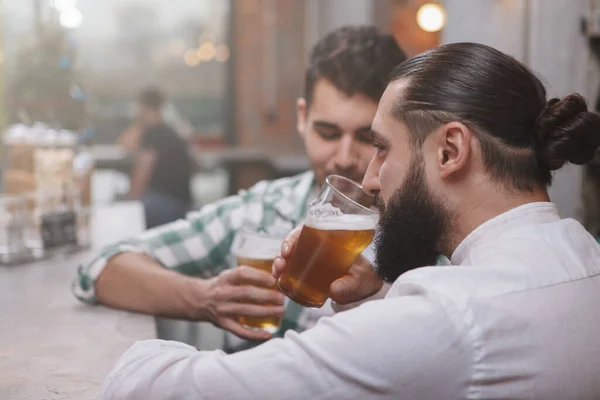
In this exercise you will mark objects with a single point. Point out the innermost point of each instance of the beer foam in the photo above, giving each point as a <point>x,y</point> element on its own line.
<point>258,253</point>
<point>256,247</point>
<point>343,222</point>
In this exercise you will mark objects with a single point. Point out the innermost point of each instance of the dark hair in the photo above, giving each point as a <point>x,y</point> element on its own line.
<point>152,98</point>
<point>355,59</point>
<point>523,137</point>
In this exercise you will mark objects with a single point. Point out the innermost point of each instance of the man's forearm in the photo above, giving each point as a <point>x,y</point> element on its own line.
<point>136,282</point>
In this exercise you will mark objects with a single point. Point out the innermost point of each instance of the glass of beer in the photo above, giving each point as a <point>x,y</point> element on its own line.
<point>258,250</point>
<point>340,224</point>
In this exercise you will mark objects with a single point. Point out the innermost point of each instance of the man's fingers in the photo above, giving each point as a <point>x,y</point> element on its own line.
<point>278,266</point>
<point>287,247</point>
<point>253,294</point>
<point>345,290</point>
<point>360,282</point>
<point>250,310</point>
<point>245,275</point>
<point>243,332</point>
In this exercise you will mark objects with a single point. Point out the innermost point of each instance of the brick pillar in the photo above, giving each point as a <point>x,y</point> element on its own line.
<point>268,70</point>
<point>268,73</point>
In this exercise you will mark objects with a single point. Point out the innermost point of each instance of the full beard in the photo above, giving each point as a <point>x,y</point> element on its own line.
<point>411,227</point>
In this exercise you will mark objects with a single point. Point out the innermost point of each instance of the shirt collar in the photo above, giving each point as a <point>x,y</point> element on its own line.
<point>531,213</point>
<point>293,204</point>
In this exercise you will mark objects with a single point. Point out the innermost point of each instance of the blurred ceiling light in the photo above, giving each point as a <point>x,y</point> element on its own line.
<point>222,53</point>
<point>431,17</point>
<point>70,18</point>
<point>191,58</point>
<point>206,52</point>
<point>63,5</point>
<point>176,47</point>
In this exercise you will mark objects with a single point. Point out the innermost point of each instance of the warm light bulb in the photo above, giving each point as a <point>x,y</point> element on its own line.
<point>206,51</point>
<point>191,58</point>
<point>222,53</point>
<point>431,17</point>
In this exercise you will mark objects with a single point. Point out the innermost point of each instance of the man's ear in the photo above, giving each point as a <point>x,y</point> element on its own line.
<point>301,116</point>
<point>454,148</point>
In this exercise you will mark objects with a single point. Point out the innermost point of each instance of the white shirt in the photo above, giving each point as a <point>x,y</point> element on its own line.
<point>516,316</point>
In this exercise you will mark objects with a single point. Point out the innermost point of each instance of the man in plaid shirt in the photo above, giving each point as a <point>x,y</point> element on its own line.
<point>184,269</point>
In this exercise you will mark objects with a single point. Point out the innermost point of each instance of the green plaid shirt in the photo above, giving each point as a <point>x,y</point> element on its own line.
<point>200,245</point>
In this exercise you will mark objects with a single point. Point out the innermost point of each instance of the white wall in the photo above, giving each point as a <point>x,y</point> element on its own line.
<point>546,35</point>
<point>345,12</point>
<point>323,16</point>
<point>560,54</point>
<point>498,23</point>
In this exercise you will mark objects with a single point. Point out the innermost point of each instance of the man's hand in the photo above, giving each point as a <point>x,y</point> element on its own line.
<point>242,292</point>
<point>136,282</point>
<point>359,283</point>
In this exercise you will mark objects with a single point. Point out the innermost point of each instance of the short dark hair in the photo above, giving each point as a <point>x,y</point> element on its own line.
<point>523,137</point>
<point>355,59</point>
<point>152,98</point>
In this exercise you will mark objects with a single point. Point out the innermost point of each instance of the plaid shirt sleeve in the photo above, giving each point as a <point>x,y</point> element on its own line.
<point>198,245</point>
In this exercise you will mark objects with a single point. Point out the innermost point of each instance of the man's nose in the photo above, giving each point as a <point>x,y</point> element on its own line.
<point>370,182</point>
<point>346,158</point>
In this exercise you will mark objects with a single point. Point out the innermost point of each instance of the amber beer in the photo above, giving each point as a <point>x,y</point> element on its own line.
<point>269,324</point>
<point>324,254</point>
<point>258,250</point>
<point>339,226</point>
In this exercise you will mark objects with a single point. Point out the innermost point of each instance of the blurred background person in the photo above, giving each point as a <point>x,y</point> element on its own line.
<point>161,174</point>
<point>131,136</point>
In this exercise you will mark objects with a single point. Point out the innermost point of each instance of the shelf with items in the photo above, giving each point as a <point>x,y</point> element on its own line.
<point>46,200</point>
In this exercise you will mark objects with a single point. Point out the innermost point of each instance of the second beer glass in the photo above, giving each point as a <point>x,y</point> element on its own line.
<point>258,250</point>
